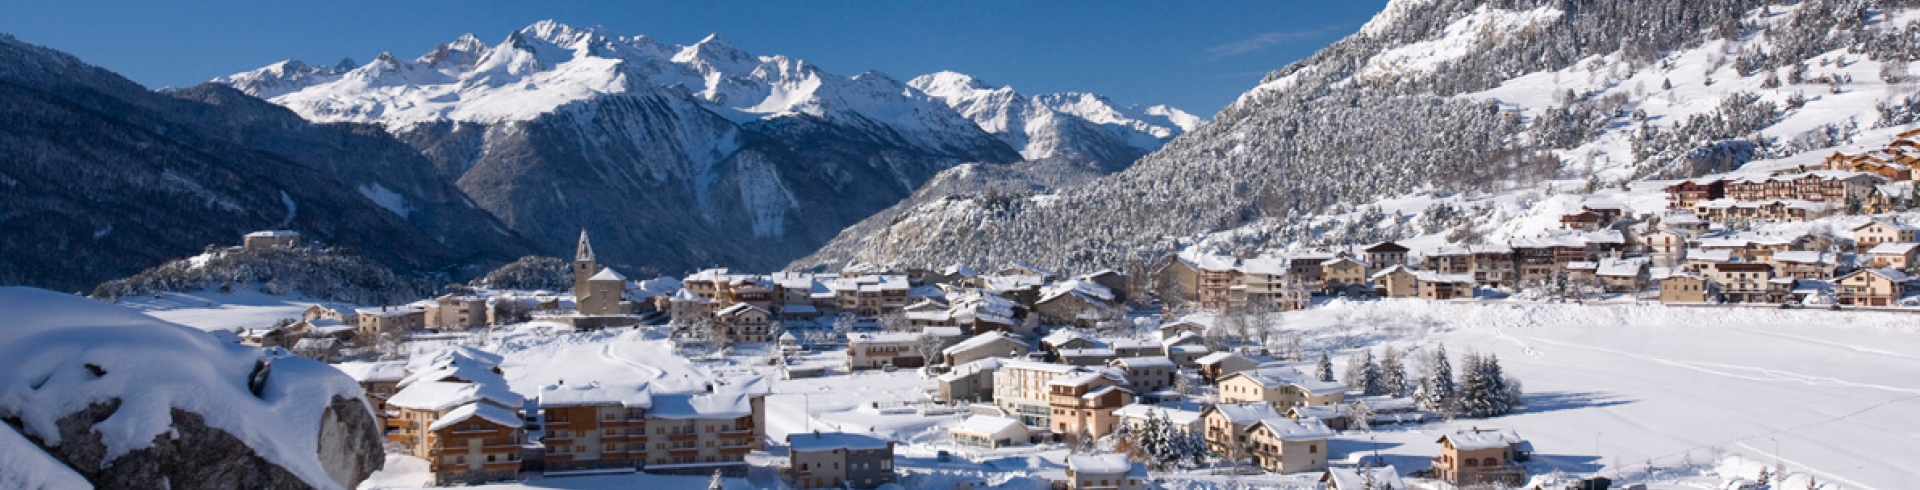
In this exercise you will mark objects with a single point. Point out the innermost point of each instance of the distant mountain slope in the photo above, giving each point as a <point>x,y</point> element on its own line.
<point>1440,112</point>
<point>104,178</point>
<point>674,157</point>
<point>1069,126</point>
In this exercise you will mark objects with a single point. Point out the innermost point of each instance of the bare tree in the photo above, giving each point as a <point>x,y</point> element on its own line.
<point>928,346</point>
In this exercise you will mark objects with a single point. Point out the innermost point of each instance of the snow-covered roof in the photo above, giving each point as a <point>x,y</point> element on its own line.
<point>1215,358</point>
<point>1274,377</point>
<point>989,425</point>
<point>607,274</point>
<point>1611,267</point>
<point>1303,429</point>
<point>1703,255</point>
<point>1378,478</point>
<point>371,371</point>
<point>1102,464</point>
<point>272,233</point>
<point>441,395</point>
<point>1321,412</point>
<point>1246,413</point>
<point>595,394</point>
<point>883,338</point>
<point>738,308</point>
<point>1803,257</point>
<point>1090,291</point>
<point>1144,362</point>
<point>971,368</point>
<point>829,441</point>
<point>1216,262</point>
<point>942,332</point>
<point>1388,404</point>
<point>717,405</point>
<point>1898,248</point>
<point>1476,439</point>
<point>488,411</point>
<point>1892,225</point>
<point>979,341</point>
<point>1175,416</point>
<point>1889,274</point>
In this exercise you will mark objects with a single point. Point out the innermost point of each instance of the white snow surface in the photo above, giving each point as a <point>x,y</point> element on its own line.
<point>386,198</point>
<point>1485,26</point>
<point>153,367</point>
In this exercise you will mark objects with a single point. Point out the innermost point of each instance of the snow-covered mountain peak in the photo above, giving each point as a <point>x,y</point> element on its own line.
<point>948,83</point>
<point>1068,125</point>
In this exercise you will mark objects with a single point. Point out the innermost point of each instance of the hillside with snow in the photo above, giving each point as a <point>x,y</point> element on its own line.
<point>1461,121</point>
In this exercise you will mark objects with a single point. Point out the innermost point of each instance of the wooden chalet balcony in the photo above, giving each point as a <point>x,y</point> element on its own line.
<point>683,451</point>
<point>685,436</point>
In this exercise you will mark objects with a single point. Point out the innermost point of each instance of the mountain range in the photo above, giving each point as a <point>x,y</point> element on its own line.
<point>673,157</point>
<point>678,157</point>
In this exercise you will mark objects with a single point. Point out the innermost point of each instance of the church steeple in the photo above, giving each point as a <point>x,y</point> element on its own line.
<point>584,266</point>
<point>585,251</point>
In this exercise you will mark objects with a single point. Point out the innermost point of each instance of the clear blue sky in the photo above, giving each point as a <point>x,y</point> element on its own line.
<point>1195,57</point>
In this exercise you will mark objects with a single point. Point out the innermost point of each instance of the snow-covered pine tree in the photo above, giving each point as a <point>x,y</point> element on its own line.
<point>1476,396</point>
<point>1356,375</point>
<point>1436,389</point>
<point>1084,442</point>
<point>1126,441</point>
<point>1324,370</point>
<point>1193,446</point>
<point>1370,376</point>
<point>1393,373</point>
<point>1153,443</point>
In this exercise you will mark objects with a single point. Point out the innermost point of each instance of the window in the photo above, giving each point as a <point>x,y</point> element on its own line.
<point>1313,449</point>
<point>1472,462</point>
<point>1489,462</point>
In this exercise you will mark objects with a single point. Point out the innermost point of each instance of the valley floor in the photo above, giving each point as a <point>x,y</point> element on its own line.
<point>1651,394</point>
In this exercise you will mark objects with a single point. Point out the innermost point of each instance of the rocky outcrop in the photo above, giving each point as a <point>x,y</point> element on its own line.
<point>197,456</point>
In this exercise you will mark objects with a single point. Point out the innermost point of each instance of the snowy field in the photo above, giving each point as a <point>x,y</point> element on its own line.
<point>1639,393</point>
<point>213,310</point>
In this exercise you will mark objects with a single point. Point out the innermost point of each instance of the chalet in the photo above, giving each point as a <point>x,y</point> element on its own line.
<point>1871,287</point>
<point>1396,281</point>
<point>386,321</point>
<point>1066,339</point>
<point>1283,445</point>
<point>1115,281</point>
<point>1387,410</point>
<point>1893,255</point>
<point>1083,403</point>
<point>1385,254</point>
<point>1171,330</point>
<point>1077,302</point>
<point>1622,275</point>
<point>883,350</point>
<point>1178,281</point>
<point>1271,283</point>
<point>1684,220</point>
<point>1700,261</point>
<point>972,381</point>
<point>987,431</point>
<point>454,410</point>
<point>1686,287</point>
<point>1228,425</point>
<point>1688,192</point>
<point>1344,276</point>
<point>1748,282</point>
<point>1218,275</point>
<point>1104,472</point>
<point>1480,456</point>
<point>1218,365</point>
<point>1021,388</point>
<point>745,322</point>
<point>1025,269</point>
<point>1538,259</point>
<point>1666,246</point>
<point>1876,232</point>
<point>1583,221</point>
<point>1803,264</point>
<point>840,460</point>
<point>1147,375</point>
<point>1282,387</point>
<point>1136,348</point>
<point>1489,264</point>
<point>975,312</point>
<point>1437,286</point>
<point>591,426</point>
<point>1338,416</point>
<point>986,345</point>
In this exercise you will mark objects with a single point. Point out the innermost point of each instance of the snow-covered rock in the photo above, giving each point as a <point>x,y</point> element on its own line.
<point>128,401</point>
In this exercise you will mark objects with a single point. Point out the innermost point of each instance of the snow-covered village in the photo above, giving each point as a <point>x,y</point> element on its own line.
<point>1423,245</point>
